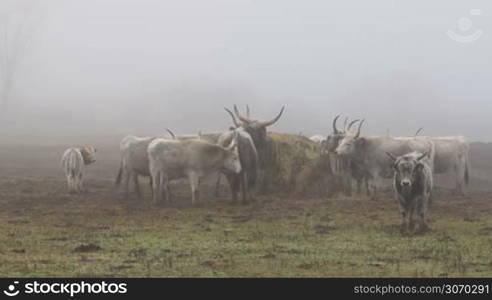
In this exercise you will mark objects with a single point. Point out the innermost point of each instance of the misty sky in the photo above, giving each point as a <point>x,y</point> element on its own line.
<point>121,66</point>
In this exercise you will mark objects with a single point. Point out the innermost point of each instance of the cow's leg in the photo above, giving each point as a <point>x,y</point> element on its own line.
<point>422,211</point>
<point>373,191</point>
<point>151,186</point>
<point>460,176</point>
<point>366,183</point>
<point>234,186</point>
<point>137,185</point>
<point>164,189</point>
<point>377,183</point>
<point>194,182</point>
<point>74,184</point>
<point>404,221</point>
<point>249,189</point>
<point>244,187</point>
<point>359,185</point>
<point>80,183</point>
<point>348,186</point>
<point>403,213</point>
<point>410,218</point>
<point>423,226</point>
<point>217,185</point>
<point>156,188</point>
<point>126,182</point>
<point>70,183</point>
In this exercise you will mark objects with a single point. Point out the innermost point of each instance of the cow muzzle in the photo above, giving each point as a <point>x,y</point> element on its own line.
<point>406,183</point>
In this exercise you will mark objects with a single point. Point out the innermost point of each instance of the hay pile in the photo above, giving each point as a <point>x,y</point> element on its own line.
<point>293,165</point>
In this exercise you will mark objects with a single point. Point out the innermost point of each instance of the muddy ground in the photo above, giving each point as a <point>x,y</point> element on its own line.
<point>48,232</point>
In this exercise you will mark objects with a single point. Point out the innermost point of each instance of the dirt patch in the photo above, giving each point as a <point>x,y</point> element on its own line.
<point>268,256</point>
<point>323,229</point>
<point>209,264</point>
<point>241,218</point>
<point>87,248</point>
<point>485,230</point>
<point>57,239</point>
<point>306,266</point>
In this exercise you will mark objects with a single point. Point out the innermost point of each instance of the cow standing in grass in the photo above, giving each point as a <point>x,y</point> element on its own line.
<point>255,155</point>
<point>413,187</point>
<point>135,161</point>
<point>192,159</point>
<point>248,156</point>
<point>346,170</point>
<point>73,161</point>
<point>368,153</point>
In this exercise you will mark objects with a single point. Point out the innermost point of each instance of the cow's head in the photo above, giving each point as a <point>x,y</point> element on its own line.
<point>88,154</point>
<point>407,168</point>
<point>349,144</point>
<point>330,144</point>
<point>255,128</point>
<point>231,162</point>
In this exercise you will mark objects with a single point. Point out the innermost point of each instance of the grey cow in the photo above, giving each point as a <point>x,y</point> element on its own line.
<point>257,131</point>
<point>413,187</point>
<point>346,169</point>
<point>135,161</point>
<point>248,156</point>
<point>452,156</point>
<point>369,152</point>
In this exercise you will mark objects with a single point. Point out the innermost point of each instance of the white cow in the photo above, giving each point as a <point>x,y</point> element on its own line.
<point>73,161</point>
<point>192,159</point>
<point>135,161</point>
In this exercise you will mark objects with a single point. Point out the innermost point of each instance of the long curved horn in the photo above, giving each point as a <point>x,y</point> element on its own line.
<point>242,118</point>
<point>358,129</point>
<point>423,155</point>
<point>171,133</point>
<point>247,111</point>
<point>418,131</point>
<point>271,122</point>
<point>345,122</point>
<point>391,155</point>
<point>335,130</point>
<point>352,123</point>
<point>232,116</point>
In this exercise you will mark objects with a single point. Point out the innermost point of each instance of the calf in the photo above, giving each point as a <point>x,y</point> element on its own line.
<point>73,161</point>
<point>413,186</point>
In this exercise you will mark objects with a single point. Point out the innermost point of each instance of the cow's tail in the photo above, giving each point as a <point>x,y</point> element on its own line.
<point>118,177</point>
<point>72,162</point>
<point>467,171</point>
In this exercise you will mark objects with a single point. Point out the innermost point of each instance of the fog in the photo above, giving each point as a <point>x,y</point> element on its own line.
<point>121,66</point>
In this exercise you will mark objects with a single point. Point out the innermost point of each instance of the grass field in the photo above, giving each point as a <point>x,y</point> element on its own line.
<point>47,232</point>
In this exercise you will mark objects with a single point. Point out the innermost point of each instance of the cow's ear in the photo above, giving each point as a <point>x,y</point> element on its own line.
<point>419,167</point>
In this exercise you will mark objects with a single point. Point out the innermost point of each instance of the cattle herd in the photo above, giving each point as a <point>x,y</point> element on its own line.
<point>239,155</point>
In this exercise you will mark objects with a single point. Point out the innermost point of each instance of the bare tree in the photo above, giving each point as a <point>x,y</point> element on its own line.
<point>16,31</point>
